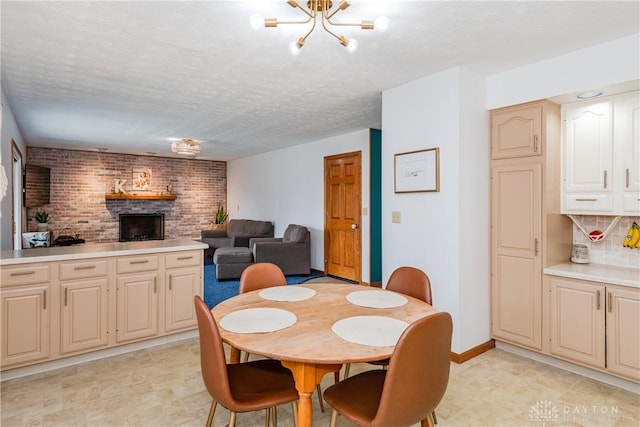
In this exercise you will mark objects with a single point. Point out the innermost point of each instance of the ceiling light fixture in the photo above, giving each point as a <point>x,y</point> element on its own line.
<point>324,9</point>
<point>186,146</point>
<point>590,94</point>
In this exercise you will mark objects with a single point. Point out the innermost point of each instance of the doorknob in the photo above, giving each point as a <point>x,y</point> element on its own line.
<point>354,226</point>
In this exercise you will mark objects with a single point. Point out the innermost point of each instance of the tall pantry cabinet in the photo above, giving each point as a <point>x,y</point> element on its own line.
<point>528,232</point>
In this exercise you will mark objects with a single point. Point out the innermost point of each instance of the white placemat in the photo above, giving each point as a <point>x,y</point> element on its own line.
<point>257,320</point>
<point>376,299</point>
<point>287,293</point>
<point>378,331</point>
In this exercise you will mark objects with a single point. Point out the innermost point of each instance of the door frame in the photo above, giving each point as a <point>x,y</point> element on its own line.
<point>17,167</point>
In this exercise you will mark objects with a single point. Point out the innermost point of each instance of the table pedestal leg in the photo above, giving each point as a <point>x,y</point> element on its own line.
<point>307,376</point>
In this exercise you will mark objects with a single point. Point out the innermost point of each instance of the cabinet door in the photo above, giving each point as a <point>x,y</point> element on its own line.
<point>25,325</point>
<point>627,134</point>
<point>137,307</point>
<point>516,132</point>
<point>577,322</point>
<point>588,148</point>
<point>623,332</point>
<point>182,286</point>
<point>84,315</point>
<point>516,269</point>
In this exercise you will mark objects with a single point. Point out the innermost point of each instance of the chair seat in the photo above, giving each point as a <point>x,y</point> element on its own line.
<point>368,389</point>
<point>275,385</point>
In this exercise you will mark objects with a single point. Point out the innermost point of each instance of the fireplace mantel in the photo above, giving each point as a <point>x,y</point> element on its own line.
<point>113,196</point>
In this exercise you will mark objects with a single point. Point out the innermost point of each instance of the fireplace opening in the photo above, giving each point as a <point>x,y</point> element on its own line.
<point>136,227</point>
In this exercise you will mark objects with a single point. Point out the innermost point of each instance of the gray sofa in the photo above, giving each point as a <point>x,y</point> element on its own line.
<point>291,252</point>
<point>237,234</point>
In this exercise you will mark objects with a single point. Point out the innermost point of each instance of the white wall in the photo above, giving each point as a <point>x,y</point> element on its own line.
<point>444,233</point>
<point>287,186</point>
<point>9,130</point>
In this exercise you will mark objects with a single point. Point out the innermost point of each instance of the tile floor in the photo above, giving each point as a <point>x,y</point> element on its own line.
<point>161,386</point>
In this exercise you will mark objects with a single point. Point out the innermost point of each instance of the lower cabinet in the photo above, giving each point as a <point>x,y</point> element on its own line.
<point>85,309</point>
<point>137,306</point>
<point>596,325</point>
<point>183,281</point>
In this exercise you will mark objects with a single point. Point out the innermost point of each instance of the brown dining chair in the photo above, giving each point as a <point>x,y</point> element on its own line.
<point>263,275</point>
<point>240,387</point>
<point>409,391</point>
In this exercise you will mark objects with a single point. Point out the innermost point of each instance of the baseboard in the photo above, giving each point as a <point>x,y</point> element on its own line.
<point>472,352</point>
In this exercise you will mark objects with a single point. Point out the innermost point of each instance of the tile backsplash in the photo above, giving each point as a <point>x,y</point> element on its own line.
<point>610,250</point>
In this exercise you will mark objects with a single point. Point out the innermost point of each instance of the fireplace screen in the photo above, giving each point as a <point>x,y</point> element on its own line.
<point>135,227</point>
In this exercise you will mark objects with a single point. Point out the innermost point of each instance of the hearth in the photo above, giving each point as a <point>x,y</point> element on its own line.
<point>136,227</point>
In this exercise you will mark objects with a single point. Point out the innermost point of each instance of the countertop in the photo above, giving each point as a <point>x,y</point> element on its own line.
<point>97,250</point>
<point>623,276</point>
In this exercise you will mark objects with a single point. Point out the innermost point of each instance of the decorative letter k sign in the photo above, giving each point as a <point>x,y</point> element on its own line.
<point>118,186</point>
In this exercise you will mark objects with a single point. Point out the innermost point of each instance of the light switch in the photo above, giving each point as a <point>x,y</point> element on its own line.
<point>365,211</point>
<point>395,217</point>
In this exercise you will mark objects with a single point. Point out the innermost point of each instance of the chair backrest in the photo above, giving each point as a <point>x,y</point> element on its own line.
<point>212,358</point>
<point>411,281</point>
<point>261,275</point>
<point>418,372</point>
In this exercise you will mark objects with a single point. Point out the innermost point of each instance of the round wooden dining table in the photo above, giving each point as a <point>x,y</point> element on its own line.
<point>310,347</point>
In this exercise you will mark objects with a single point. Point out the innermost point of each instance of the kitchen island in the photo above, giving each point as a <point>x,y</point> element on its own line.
<point>94,300</point>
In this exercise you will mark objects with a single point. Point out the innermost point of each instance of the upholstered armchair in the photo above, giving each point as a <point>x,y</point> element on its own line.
<point>291,252</point>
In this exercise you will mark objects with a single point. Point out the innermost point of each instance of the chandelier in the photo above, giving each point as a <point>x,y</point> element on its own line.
<point>321,10</point>
<point>186,146</point>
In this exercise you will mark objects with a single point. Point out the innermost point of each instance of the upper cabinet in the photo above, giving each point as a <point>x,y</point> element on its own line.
<point>516,132</point>
<point>601,156</point>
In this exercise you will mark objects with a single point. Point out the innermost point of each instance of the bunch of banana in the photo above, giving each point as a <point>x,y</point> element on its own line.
<point>632,239</point>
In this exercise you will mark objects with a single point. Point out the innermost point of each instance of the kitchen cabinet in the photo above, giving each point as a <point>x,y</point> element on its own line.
<point>183,282</point>
<point>25,295</point>
<point>596,325</point>
<point>137,298</point>
<point>527,230</point>
<point>84,290</point>
<point>600,150</point>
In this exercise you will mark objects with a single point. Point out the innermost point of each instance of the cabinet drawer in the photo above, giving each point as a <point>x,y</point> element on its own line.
<point>588,203</point>
<point>83,269</point>
<point>631,203</point>
<point>136,264</point>
<point>26,275</point>
<point>184,259</point>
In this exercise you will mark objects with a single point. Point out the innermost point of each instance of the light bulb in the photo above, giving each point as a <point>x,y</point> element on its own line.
<point>352,46</point>
<point>256,21</point>
<point>381,23</point>
<point>295,47</point>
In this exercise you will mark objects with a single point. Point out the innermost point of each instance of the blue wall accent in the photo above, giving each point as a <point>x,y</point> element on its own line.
<point>375,209</point>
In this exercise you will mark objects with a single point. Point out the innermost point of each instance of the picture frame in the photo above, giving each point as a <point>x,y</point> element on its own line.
<point>417,171</point>
<point>141,180</point>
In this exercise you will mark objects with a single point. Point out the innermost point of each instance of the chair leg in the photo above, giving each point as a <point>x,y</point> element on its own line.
<point>245,358</point>
<point>320,400</point>
<point>427,422</point>
<point>267,417</point>
<point>275,416</point>
<point>334,416</point>
<point>294,411</point>
<point>435,419</point>
<point>346,370</point>
<point>232,420</point>
<point>212,412</point>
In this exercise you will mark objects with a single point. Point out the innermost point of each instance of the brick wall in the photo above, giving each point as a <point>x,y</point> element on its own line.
<point>80,179</point>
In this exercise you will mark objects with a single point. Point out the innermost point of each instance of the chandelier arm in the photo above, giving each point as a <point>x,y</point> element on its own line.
<point>295,22</point>
<point>330,32</point>
<point>313,27</point>
<point>347,24</point>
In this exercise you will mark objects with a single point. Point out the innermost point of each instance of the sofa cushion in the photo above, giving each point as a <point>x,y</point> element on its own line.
<point>232,255</point>
<point>255,228</point>
<point>295,233</point>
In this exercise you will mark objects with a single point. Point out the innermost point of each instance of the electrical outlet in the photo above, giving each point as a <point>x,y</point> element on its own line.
<point>365,211</point>
<point>395,217</point>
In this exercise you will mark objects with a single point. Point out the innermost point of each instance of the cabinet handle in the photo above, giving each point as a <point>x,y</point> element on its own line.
<point>85,267</point>
<point>22,273</point>
<point>155,286</point>
<point>170,280</point>
<point>598,302</point>
<point>605,179</point>
<point>144,261</point>
<point>535,143</point>
<point>610,303</point>
<point>182,258</point>
<point>626,177</point>
<point>44,300</point>
<point>65,296</point>
<point>537,242</point>
<point>587,200</point>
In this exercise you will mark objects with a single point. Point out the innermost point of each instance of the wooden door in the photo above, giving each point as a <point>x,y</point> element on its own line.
<point>516,266</point>
<point>343,206</point>
<point>182,286</point>
<point>623,332</point>
<point>84,315</point>
<point>137,307</point>
<point>577,323</point>
<point>516,132</point>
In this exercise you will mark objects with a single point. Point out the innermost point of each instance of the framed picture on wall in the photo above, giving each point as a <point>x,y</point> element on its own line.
<point>141,179</point>
<point>417,171</point>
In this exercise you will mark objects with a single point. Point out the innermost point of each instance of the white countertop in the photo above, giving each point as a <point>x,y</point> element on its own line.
<point>96,250</point>
<point>623,276</point>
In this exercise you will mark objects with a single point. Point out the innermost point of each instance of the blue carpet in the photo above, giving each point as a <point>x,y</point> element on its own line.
<point>217,291</point>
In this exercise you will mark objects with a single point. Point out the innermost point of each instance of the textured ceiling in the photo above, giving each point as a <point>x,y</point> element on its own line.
<point>128,75</point>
